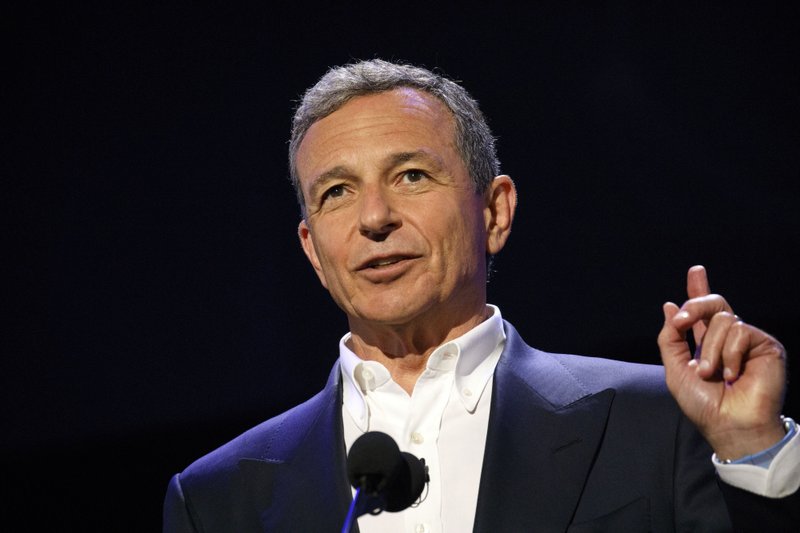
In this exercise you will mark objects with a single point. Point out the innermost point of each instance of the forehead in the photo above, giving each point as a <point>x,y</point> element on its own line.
<point>400,119</point>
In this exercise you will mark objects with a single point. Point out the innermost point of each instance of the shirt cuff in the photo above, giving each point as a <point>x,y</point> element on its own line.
<point>775,478</point>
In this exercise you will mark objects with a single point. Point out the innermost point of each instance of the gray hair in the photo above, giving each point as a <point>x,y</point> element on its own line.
<point>474,140</point>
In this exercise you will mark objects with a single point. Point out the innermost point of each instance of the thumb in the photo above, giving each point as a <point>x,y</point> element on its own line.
<point>671,340</point>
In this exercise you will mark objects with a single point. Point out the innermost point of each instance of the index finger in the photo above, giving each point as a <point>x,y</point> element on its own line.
<point>697,286</point>
<point>700,310</point>
<point>697,282</point>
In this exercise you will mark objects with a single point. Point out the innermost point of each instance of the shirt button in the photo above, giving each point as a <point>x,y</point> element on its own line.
<point>417,438</point>
<point>420,528</point>
<point>366,374</point>
<point>467,392</point>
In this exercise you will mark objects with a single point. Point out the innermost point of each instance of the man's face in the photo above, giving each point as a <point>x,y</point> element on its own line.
<point>394,227</point>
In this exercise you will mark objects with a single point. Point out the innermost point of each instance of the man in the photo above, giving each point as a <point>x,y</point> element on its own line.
<point>403,207</point>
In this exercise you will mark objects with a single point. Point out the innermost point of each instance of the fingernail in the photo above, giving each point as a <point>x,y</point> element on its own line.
<point>693,362</point>
<point>704,365</point>
<point>681,315</point>
<point>727,374</point>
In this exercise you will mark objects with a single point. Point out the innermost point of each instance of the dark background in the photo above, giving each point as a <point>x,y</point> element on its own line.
<point>159,304</point>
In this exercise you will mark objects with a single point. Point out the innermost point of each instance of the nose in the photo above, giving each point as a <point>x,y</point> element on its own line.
<point>377,218</point>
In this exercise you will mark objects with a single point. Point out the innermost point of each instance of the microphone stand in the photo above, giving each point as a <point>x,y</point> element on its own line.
<point>351,514</point>
<point>363,502</point>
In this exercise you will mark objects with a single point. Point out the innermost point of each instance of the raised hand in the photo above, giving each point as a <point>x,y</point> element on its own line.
<point>733,387</point>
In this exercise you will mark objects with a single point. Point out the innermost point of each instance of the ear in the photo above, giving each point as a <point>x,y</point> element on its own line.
<point>307,242</point>
<point>501,201</point>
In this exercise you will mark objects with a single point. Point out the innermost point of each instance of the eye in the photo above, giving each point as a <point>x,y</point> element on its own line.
<point>337,191</point>
<point>414,176</point>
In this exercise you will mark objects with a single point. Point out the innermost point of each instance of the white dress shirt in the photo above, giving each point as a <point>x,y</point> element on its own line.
<point>445,420</point>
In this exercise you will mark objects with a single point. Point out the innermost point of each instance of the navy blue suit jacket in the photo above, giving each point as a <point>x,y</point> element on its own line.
<point>574,444</point>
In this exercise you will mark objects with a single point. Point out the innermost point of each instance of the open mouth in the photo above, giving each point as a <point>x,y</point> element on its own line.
<point>378,263</point>
<point>384,262</point>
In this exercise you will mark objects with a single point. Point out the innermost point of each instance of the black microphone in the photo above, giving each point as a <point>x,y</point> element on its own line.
<point>385,478</point>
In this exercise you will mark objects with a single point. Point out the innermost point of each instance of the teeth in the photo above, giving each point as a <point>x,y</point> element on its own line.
<point>383,262</point>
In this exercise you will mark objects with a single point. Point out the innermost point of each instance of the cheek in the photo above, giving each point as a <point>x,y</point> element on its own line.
<point>470,224</point>
<point>332,255</point>
<point>464,244</point>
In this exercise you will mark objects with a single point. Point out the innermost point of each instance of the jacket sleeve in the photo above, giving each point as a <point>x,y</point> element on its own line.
<point>751,512</point>
<point>705,503</point>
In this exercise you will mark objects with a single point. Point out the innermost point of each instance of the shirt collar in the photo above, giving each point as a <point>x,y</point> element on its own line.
<point>479,351</point>
<point>472,356</point>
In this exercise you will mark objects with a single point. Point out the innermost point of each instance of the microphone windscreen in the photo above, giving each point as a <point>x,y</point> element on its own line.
<point>407,484</point>
<point>376,465</point>
<point>374,459</point>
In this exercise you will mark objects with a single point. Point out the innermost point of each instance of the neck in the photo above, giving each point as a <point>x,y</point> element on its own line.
<point>404,349</point>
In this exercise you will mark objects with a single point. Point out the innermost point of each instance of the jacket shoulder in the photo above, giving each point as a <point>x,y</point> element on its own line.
<point>563,378</point>
<point>273,441</point>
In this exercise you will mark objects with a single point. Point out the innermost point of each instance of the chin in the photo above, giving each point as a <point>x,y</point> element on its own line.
<point>389,313</point>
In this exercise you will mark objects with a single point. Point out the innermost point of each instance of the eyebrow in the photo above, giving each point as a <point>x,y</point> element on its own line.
<point>400,158</point>
<point>390,162</point>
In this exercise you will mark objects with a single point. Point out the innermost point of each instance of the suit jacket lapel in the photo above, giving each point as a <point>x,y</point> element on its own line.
<point>302,485</point>
<point>543,431</point>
